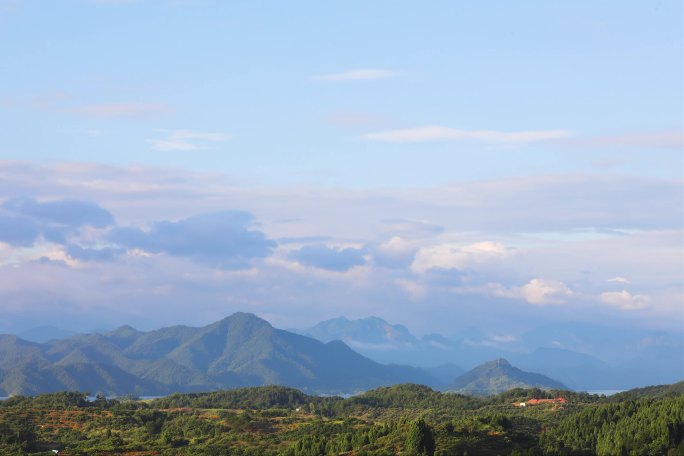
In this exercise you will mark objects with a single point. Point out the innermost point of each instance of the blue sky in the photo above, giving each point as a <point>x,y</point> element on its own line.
<point>311,159</point>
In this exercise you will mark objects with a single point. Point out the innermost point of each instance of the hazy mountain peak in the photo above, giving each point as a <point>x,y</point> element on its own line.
<point>500,363</point>
<point>242,319</point>
<point>124,331</point>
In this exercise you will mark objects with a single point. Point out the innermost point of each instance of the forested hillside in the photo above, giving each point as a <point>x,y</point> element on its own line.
<point>400,420</point>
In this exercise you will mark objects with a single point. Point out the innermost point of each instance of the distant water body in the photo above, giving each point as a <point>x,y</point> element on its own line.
<point>142,398</point>
<point>606,392</point>
<point>92,398</point>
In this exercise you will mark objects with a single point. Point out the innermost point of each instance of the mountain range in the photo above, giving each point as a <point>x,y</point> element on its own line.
<point>240,350</point>
<point>338,356</point>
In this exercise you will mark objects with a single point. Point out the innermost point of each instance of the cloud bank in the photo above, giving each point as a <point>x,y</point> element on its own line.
<point>159,241</point>
<point>221,239</point>
<point>332,259</point>
<point>23,221</point>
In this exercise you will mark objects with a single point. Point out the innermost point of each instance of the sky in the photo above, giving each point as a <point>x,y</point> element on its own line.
<point>440,164</point>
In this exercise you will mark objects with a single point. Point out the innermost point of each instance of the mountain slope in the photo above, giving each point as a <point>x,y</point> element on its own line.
<point>497,376</point>
<point>41,378</point>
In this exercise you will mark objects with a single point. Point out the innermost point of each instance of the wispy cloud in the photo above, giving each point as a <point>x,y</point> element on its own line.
<point>668,139</point>
<point>186,140</point>
<point>356,75</point>
<point>49,100</point>
<point>618,280</point>
<point>357,120</point>
<point>121,110</point>
<point>440,133</point>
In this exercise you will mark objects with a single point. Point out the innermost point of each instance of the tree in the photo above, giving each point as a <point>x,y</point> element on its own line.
<point>420,440</point>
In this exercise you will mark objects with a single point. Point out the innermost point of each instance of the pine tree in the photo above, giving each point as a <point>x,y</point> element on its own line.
<point>420,440</point>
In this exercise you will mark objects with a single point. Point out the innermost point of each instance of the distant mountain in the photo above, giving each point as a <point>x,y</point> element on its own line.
<point>652,365</point>
<point>612,344</point>
<point>596,356</point>
<point>388,343</point>
<point>445,373</point>
<point>370,332</point>
<point>241,350</point>
<point>576,370</point>
<point>581,355</point>
<point>497,376</point>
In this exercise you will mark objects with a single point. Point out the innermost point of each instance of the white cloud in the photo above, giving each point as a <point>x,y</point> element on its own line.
<point>618,280</point>
<point>450,256</point>
<point>539,292</point>
<point>357,75</point>
<point>441,133</point>
<point>186,140</point>
<point>121,110</point>
<point>625,300</point>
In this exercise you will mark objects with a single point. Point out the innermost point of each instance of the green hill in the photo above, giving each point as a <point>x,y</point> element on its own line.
<point>652,392</point>
<point>497,376</point>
